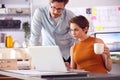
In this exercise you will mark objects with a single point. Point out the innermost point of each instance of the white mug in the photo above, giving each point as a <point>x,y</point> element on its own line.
<point>98,48</point>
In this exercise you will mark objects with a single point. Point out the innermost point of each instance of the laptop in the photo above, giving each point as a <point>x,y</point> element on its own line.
<point>49,59</point>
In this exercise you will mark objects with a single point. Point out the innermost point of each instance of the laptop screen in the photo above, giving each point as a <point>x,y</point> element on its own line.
<point>47,58</point>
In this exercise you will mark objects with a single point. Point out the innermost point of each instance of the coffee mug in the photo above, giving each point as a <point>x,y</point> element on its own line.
<point>98,48</point>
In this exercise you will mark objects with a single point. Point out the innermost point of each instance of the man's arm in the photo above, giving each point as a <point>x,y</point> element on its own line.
<point>36,28</point>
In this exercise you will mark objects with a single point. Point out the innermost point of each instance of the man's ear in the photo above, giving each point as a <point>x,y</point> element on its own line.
<point>49,4</point>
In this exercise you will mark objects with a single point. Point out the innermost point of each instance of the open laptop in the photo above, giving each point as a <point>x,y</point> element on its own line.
<point>49,59</point>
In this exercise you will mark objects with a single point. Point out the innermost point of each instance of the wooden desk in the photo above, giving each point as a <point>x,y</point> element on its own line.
<point>4,77</point>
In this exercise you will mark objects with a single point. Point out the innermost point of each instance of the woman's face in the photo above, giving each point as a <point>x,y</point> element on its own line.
<point>56,9</point>
<point>76,31</point>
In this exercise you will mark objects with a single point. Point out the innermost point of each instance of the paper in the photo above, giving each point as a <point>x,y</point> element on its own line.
<point>98,28</point>
<point>94,11</point>
<point>119,8</point>
<point>93,18</point>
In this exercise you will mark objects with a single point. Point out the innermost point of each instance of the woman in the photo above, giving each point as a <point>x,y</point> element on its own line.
<point>82,52</point>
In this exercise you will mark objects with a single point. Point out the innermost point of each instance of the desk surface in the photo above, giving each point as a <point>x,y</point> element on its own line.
<point>90,76</point>
<point>4,77</point>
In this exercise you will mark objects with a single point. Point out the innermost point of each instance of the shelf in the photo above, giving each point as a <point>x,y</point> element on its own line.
<point>19,14</point>
<point>15,12</point>
<point>10,30</point>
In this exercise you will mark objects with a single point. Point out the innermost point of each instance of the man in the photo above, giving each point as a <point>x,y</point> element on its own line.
<point>50,25</point>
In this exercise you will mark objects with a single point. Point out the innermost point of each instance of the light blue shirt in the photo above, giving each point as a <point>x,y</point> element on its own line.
<point>45,32</point>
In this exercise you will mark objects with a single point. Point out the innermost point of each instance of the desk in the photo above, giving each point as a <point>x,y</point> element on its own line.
<point>91,76</point>
<point>4,77</point>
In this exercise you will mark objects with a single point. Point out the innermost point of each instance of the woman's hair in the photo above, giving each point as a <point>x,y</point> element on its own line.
<point>65,1</point>
<point>80,20</point>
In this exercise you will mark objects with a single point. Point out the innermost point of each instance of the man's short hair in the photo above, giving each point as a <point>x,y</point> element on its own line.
<point>65,1</point>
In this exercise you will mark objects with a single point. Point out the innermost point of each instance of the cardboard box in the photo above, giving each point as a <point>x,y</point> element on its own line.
<point>8,64</point>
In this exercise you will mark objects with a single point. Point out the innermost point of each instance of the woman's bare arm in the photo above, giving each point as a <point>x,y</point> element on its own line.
<point>106,56</point>
<point>72,63</point>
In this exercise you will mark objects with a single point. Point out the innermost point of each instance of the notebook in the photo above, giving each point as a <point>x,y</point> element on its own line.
<point>47,58</point>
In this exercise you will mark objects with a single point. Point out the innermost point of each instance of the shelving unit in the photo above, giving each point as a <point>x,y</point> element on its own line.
<point>20,9</point>
<point>16,10</point>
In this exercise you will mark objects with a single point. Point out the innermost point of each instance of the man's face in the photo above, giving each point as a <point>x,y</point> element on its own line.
<point>56,9</point>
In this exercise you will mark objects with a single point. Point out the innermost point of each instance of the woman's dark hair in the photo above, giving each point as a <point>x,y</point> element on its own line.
<point>81,21</point>
<point>65,1</point>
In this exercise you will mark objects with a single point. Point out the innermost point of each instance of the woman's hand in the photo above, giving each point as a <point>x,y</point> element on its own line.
<point>106,51</point>
<point>107,59</point>
<point>67,64</point>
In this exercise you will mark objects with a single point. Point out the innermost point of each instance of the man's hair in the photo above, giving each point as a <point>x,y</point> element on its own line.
<point>65,1</point>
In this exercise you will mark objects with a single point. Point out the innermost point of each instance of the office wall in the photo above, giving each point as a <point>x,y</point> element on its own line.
<point>92,3</point>
<point>101,18</point>
<point>82,3</point>
<point>77,3</point>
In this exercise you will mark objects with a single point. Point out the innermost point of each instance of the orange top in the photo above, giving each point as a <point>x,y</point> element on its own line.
<point>85,58</point>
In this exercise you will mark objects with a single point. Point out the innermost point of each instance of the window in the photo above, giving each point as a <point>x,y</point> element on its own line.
<point>111,39</point>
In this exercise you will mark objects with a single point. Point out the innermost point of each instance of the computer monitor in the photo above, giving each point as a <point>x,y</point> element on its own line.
<point>111,39</point>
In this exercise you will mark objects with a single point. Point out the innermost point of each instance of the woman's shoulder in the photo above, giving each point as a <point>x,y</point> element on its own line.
<point>96,40</point>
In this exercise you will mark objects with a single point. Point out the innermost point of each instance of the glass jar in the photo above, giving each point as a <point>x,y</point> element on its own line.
<point>9,42</point>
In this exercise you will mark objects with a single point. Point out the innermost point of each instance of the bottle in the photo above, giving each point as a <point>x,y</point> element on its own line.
<point>9,42</point>
<point>2,40</point>
<point>3,6</point>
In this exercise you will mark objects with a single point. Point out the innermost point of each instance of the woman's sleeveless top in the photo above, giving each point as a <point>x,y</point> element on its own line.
<point>85,58</point>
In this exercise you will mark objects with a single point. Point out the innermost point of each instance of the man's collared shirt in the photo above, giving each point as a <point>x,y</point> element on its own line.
<point>45,32</point>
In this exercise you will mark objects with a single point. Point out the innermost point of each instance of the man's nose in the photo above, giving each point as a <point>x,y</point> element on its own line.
<point>56,11</point>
